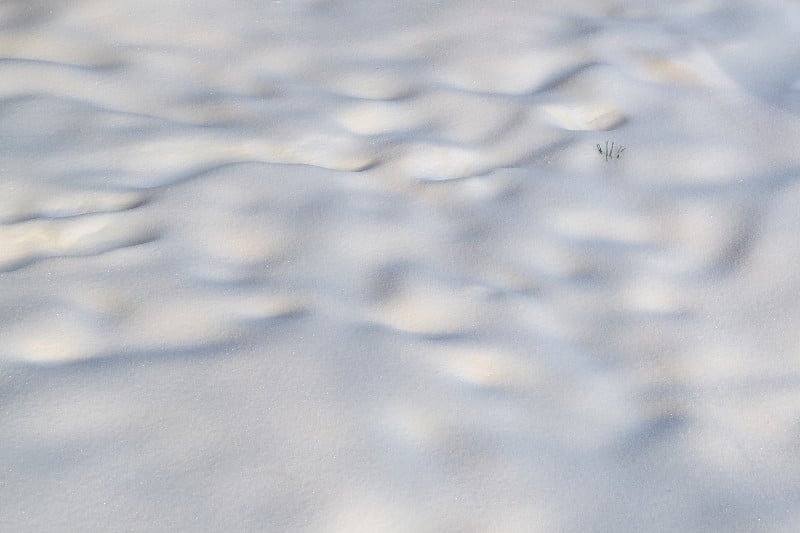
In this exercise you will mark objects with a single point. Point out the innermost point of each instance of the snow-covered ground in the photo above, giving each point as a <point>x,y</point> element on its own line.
<point>357,265</point>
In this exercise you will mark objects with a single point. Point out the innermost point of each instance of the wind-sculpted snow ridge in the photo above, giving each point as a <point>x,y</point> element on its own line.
<point>358,266</point>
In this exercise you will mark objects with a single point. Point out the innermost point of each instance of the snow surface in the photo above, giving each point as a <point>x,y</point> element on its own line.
<point>341,266</point>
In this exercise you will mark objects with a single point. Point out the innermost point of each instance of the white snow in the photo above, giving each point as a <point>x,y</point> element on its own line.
<point>317,266</point>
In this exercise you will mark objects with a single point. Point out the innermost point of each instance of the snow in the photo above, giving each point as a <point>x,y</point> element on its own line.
<point>320,266</point>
